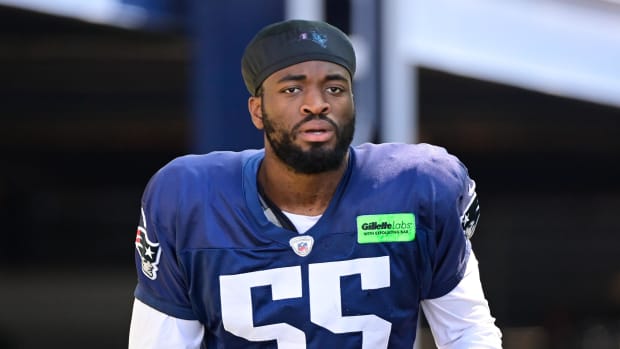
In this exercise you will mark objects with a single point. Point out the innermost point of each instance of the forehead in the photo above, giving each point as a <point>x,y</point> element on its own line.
<point>309,70</point>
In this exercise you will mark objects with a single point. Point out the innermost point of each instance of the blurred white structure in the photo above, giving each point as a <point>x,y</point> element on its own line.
<point>566,48</point>
<point>109,12</point>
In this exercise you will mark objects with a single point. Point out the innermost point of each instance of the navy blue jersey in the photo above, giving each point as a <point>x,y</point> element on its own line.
<point>391,236</point>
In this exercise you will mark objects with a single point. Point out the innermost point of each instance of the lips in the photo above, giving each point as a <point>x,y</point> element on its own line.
<point>316,131</point>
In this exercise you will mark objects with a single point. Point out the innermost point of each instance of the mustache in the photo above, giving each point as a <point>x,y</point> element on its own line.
<point>313,117</point>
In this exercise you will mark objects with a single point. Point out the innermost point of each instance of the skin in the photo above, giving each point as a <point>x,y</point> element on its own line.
<point>287,109</point>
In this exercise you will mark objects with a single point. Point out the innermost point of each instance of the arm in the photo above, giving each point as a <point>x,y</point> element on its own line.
<point>461,319</point>
<point>163,316</point>
<point>152,329</point>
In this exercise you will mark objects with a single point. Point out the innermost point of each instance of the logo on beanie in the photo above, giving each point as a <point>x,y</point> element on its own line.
<point>317,38</point>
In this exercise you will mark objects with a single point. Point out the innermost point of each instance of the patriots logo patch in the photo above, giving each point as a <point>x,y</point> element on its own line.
<point>149,251</point>
<point>470,217</point>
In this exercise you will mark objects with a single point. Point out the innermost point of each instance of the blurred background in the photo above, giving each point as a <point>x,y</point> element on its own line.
<point>95,96</point>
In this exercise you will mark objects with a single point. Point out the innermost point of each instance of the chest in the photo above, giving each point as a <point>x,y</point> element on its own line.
<point>338,294</point>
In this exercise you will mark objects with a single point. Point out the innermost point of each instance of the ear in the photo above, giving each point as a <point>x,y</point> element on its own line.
<point>254,106</point>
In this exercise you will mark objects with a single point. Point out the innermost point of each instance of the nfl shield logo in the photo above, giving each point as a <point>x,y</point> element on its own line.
<point>302,245</point>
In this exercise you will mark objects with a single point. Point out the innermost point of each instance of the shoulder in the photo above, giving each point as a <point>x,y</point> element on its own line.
<point>185,181</point>
<point>410,154</point>
<point>185,174</point>
<point>422,160</point>
<point>203,168</point>
<point>216,162</point>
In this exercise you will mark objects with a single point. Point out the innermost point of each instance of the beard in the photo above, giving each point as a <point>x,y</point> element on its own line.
<point>319,158</point>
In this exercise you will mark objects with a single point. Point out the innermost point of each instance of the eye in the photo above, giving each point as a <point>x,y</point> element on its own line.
<point>334,90</point>
<point>290,90</point>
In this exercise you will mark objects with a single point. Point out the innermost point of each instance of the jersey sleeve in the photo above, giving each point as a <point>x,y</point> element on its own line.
<point>162,284</point>
<point>455,212</point>
<point>461,318</point>
<point>152,329</point>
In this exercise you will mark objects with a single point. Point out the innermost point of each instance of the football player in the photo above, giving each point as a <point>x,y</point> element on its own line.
<point>308,242</point>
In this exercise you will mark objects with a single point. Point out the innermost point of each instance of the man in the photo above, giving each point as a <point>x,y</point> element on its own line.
<point>309,242</point>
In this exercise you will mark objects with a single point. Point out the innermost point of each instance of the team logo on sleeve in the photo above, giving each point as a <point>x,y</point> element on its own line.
<point>469,219</point>
<point>149,251</point>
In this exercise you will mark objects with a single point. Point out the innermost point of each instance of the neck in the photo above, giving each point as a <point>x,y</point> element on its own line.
<point>299,193</point>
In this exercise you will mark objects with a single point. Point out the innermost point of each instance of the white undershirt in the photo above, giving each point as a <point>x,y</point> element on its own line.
<point>302,223</point>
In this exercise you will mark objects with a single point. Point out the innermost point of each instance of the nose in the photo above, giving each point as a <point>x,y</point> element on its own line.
<point>314,103</point>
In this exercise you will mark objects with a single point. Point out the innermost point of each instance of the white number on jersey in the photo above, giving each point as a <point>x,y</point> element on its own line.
<point>325,302</point>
